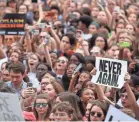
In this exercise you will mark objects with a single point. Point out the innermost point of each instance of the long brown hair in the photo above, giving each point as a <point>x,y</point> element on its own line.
<point>42,96</point>
<point>72,99</point>
<point>122,56</point>
<point>58,88</point>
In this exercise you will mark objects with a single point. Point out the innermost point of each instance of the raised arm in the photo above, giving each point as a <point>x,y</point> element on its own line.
<point>27,40</point>
<point>121,3</point>
<point>47,56</point>
<point>132,99</point>
<point>100,93</point>
<point>55,36</point>
<point>109,16</point>
<point>73,82</point>
<point>40,12</point>
<point>99,90</point>
<point>2,55</point>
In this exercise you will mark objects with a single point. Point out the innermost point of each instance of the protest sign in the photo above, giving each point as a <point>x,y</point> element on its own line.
<point>12,24</point>
<point>113,116</point>
<point>10,109</point>
<point>110,72</point>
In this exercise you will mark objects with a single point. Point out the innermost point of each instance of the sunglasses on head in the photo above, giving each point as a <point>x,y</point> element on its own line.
<point>41,104</point>
<point>92,113</point>
<point>62,61</point>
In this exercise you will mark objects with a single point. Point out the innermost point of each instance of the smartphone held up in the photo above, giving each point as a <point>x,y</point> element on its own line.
<point>47,39</point>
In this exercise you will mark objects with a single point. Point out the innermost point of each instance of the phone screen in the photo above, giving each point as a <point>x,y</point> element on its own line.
<point>29,85</point>
<point>103,3</point>
<point>42,25</point>
<point>125,44</point>
<point>35,32</point>
<point>78,68</point>
<point>117,9</point>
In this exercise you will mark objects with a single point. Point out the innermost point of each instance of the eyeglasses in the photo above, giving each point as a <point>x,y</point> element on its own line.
<point>62,61</point>
<point>41,104</point>
<point>92,113</point>
<point>123,96</point>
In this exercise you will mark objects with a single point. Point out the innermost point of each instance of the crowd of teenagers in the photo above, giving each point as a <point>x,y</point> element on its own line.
<point>42,66</point>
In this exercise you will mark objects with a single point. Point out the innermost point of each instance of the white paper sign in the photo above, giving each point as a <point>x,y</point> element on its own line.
<point>10,109</point>
<point>110,72</point>
<point>114,114</point>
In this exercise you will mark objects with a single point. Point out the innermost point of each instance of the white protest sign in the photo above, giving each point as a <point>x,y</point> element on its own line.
<point>10,109</point>
<point>110,72</point>
<point>114,114</point>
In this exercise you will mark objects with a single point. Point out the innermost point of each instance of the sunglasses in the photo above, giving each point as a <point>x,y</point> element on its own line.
<point>92,113</point>
<point>62,61</point>
<point>41,104</point>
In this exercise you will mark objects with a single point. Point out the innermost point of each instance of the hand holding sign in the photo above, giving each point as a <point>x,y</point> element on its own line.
<point>93,72</point>
<point>110,72</point>
<point>127,77</point>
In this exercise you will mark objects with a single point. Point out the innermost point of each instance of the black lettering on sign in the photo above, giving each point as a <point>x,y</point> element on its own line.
<point>4,104</point>
<point>115,80</point>
<point>110,67</point>
<point>108,79</point>
<point>119,68</point>
<point>104,78</point>
<point>99,78</point>
<point>109,73</point>
<point>111,118</point>
<point>114,68</point>
<point>101,66</point>
<point>105,66</point>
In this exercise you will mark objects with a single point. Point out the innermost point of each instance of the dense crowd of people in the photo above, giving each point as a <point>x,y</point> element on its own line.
<point>51,67</point>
